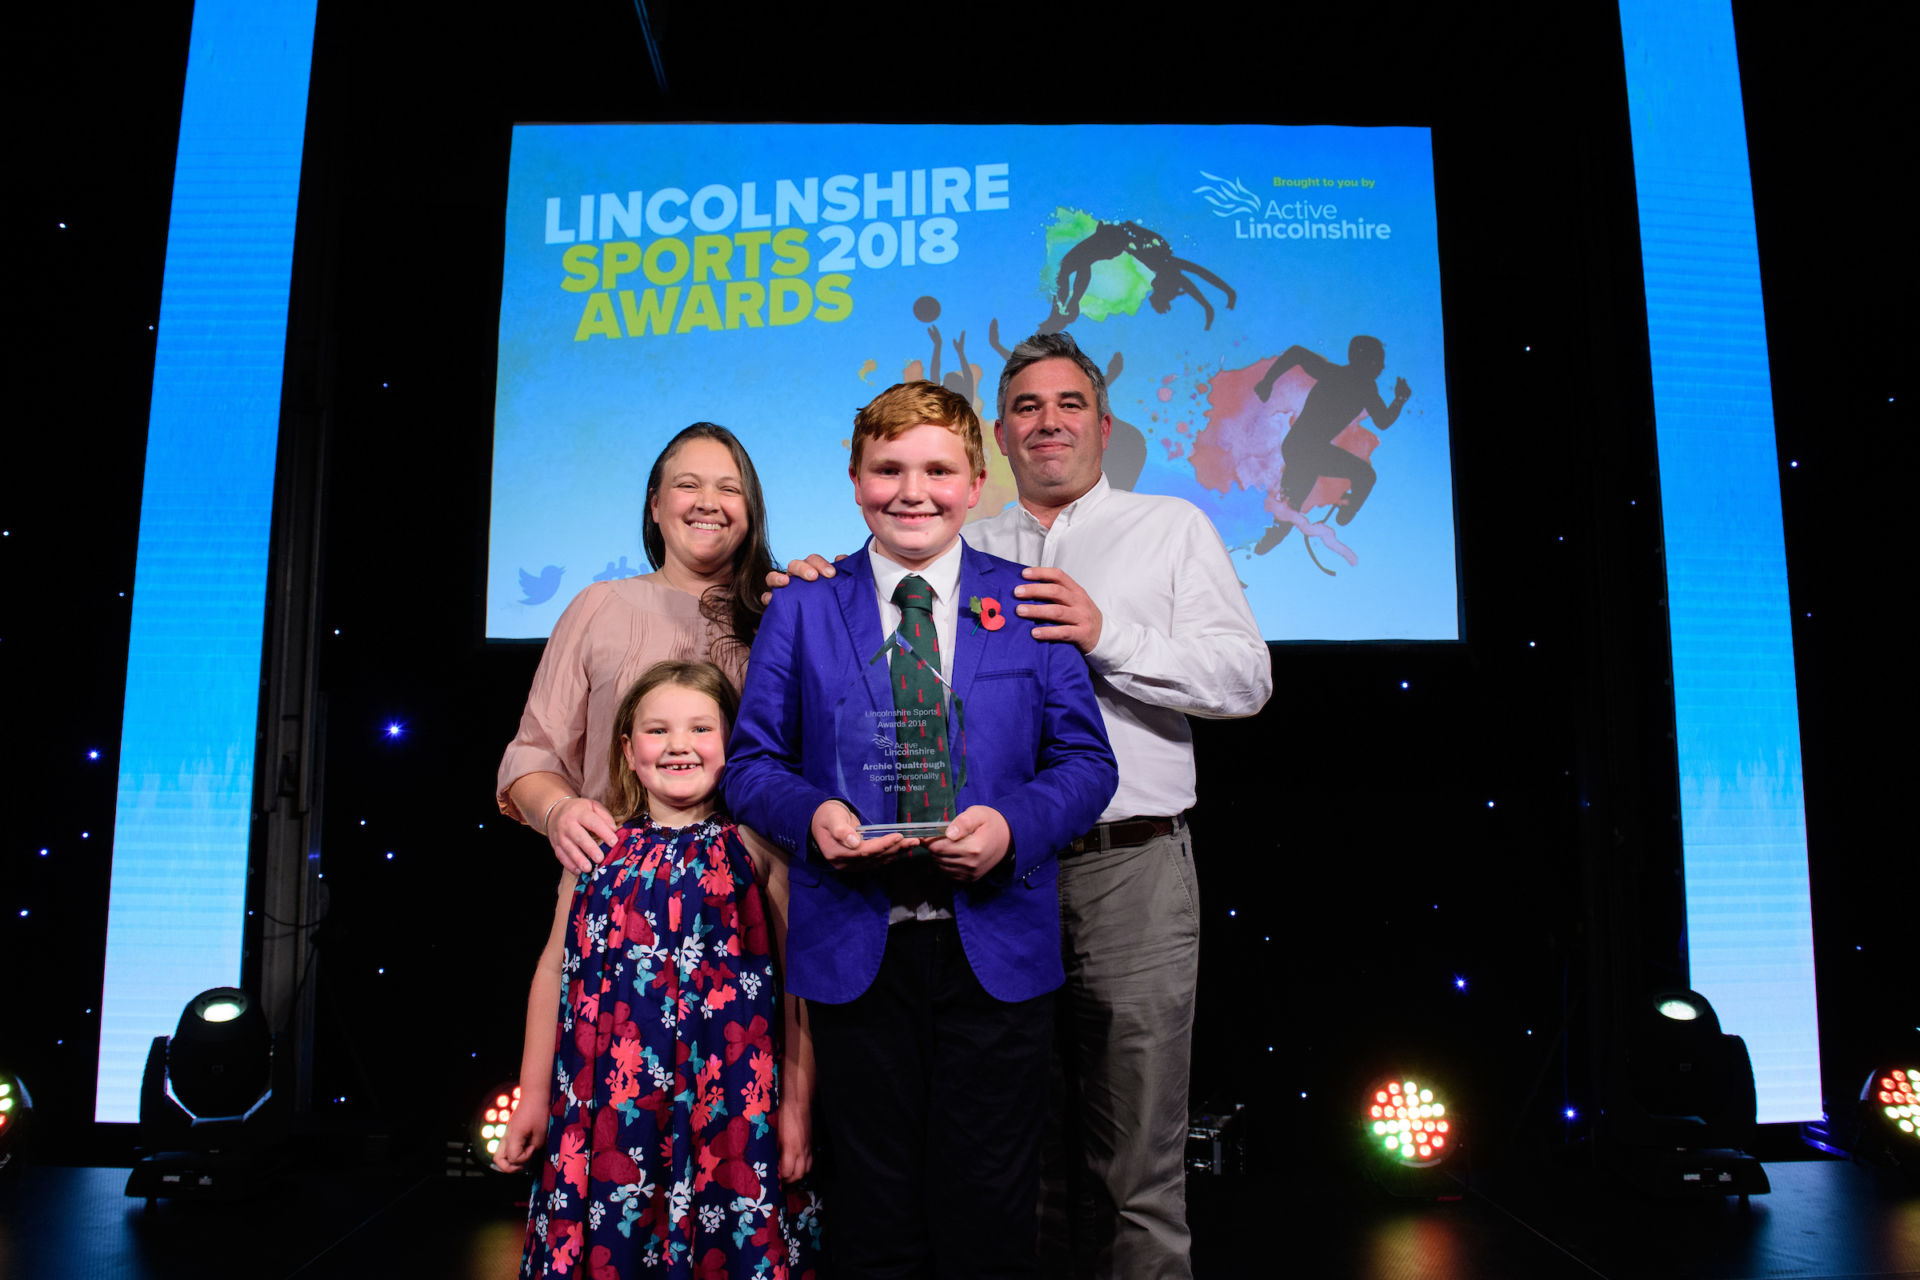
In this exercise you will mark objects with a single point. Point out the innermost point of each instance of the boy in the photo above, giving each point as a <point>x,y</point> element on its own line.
<point>901,691</point>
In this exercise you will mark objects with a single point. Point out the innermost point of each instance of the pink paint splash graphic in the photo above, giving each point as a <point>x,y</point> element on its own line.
<point>1240,445</point>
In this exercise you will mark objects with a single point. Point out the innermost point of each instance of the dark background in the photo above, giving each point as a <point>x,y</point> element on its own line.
<point>1352,867</point>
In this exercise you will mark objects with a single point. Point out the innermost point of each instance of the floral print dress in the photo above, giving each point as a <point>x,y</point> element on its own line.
<point>662,1156</point>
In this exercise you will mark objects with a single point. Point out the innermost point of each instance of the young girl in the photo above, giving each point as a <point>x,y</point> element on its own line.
<point>668,1140</point>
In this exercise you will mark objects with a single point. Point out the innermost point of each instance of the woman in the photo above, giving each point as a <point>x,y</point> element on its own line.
<point>704,526</point>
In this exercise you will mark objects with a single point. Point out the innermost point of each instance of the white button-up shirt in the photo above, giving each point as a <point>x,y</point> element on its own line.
<point>1177,637</point>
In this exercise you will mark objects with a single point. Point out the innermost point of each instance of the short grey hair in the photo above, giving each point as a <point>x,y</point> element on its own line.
<point>1051,346</point>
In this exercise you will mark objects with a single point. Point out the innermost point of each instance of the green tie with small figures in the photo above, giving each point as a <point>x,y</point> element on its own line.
<point>925,781</point>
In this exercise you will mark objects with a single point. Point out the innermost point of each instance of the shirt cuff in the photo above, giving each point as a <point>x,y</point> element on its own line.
<point>1117,643</point>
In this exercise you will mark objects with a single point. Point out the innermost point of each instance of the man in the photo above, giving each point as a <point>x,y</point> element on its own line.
<point>899,693</point>
<point>1142,585</point>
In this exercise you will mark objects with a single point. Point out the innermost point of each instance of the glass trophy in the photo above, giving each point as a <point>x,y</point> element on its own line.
<point>884,752</point>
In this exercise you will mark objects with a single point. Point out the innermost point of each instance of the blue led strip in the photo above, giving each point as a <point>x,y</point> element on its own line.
<point>176,909</point>
<point>1742,810</point>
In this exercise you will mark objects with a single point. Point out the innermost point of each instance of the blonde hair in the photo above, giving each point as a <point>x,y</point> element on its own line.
<point>626,798</point>
<point>906,405</point>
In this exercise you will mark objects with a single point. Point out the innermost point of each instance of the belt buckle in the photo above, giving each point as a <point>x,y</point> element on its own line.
<point>1094,841</point>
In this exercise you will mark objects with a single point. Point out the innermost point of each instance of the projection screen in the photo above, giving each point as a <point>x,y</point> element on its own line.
<point>773,278</point>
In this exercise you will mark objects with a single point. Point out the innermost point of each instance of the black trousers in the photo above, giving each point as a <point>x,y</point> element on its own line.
<point>932,1094</point>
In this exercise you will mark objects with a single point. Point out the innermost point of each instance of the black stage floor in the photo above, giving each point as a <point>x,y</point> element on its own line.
<point>1825,1220</point>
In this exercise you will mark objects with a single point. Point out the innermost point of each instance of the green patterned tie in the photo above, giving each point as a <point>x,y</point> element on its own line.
<point>925,792</point>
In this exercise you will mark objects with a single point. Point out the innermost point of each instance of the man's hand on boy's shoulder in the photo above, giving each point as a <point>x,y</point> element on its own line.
<point>812,568</point>
<point>976,840</point>
<point>836,833</point>
<point>1059,607</point>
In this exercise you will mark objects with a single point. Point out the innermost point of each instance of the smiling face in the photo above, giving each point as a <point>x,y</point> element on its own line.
<point>701,508</point>
<point>1053,433</point>
<point>915,491</point>
<point>676,746</point>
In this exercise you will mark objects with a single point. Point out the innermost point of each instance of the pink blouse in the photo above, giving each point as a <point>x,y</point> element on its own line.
<point>607,637</point>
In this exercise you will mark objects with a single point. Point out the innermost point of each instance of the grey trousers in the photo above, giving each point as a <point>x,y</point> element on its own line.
<point>1113,1198</point>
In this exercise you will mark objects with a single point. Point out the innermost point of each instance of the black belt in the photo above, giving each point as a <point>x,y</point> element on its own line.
<point>1124,834</point>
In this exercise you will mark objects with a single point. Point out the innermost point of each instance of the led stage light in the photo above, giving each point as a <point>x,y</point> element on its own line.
<point>471,1155</point>
<point>16,1117</point>
<point>1410,1124</point>
<point>1887,1129</point>
<point>1898,1093</point>
<point>490,1126</point>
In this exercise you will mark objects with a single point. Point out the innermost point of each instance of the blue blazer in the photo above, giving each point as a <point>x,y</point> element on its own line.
<point>1036,750</point>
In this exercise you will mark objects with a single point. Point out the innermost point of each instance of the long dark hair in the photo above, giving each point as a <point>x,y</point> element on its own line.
<point>735,608</point>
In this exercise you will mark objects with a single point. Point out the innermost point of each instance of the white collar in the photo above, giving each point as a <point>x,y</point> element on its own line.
<point>1081,505</point>
<point>943,575</point>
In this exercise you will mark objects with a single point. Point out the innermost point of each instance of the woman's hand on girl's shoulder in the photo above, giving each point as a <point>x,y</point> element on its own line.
<point>577,828</point>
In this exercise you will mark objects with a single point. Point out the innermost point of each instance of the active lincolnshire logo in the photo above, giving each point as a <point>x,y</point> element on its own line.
<point>1292,215</point>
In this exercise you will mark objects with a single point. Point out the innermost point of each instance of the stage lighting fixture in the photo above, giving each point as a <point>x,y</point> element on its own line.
<point>16,1117</point>
<point>201,1094</point>
<point>1216,1139</point>
<point>1695,1081</point>
<point>1692,1086</point>
<point>472,1156</point>
<point>221,1056</point>
<point>1889,1129</point>
<point>490,1126</point>
<point>1895,1092</point>
<point>1409,1124</point>
<point>1409,1129</point>
<point>1680,1009</point>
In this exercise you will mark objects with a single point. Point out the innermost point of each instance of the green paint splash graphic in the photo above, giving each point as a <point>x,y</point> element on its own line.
<point>1119,285</point>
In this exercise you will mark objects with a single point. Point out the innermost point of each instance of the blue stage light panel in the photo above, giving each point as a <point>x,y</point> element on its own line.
<point>176,908</point>
<point>1742,810</point>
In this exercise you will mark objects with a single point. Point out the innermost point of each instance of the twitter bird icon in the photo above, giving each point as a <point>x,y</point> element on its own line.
<point>540,590</point>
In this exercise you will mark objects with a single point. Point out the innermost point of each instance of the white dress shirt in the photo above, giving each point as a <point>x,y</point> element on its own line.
<point>1177,637</point>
